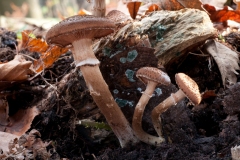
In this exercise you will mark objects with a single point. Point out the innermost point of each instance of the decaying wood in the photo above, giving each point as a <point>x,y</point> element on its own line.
<point>171,33</point>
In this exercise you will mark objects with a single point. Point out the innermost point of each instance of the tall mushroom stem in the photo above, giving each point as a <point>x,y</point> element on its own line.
<point>137,117</point>
<point>162,107</point>
<point>99,8</point>
<point>100,92</point>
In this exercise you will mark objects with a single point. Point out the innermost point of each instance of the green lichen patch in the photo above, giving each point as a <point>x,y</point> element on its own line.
<point>124,102</point>
<point>158,91</point>
<point>160,30</point>
<point>132,55</point>
<point>123,60</point>
<point>129,74</point>
<point>106,51</point>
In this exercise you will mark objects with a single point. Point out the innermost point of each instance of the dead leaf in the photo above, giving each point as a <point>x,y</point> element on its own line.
<point>21,121</point>
<point>133,8</point>
<point>33,142</point>
<point>226,59</point>
<point>147,8</point>
<point>180,4</point>
<point>223,14</point>
<point>152,7</point>
<point>5,140</point>
<point>48,58</point>
<point>191,4</point>
<point>15,70</point>
<point>209,94</point>
<point>49,54</point>
<point>18,123</point>
<point>215,3</point>
<point>28,146</point>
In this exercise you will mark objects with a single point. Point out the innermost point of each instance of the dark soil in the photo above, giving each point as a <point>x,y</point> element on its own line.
<point>206,131</point>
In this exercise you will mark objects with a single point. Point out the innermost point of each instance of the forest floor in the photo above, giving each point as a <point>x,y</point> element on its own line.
<point>206,131</point>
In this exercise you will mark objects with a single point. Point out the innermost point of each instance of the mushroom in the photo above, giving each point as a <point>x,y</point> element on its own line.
<point>151,77</point>
<point>98,8</point>
<point>79,31</point>
<point>118,17</point>
<point>187,88</point>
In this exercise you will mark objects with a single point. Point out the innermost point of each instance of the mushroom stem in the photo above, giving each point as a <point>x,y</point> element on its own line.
<point>99,8</point>
<point>100,92</point>
<point>83,46</point>
<point>137,117</point>
<point>162,107</point>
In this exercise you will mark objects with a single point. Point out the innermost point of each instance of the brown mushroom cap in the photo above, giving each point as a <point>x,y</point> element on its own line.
<point>77,27</point>
<point>189,87</point>
<point>146,74</point>
<point>117,16</point>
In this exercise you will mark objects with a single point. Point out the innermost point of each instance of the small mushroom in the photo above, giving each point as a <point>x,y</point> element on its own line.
<point>151,77</point>
<point>79,31</point>
<point>187,88</point>
<point>118,17</point>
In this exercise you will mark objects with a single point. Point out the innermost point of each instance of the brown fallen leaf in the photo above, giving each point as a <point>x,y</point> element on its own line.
<point>21,121</point>
<point>147,8</point>
<point>180,4</point>
<point>49,54</point>
<point>226,59</point>
<point>28,146</point>
<point>18,123</point>
<point>133,8</point>
<point>223,14</point>
<point>152,7</point>
<point>15,70</point>
<point>209,94</point>
<point>139,7</point>
<point>216,3</point>
<point>5,139</point>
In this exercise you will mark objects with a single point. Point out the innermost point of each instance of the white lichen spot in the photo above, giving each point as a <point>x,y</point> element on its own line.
<point>109,105</point>
<point>139,89</point>
<point>158,91</point>
<point>92,91</point>
<point>115,91</point>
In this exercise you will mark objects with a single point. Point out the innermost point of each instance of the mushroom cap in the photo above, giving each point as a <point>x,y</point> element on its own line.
<point>189,87</point>
<point>146,74</point>
<point>117,16</point>
<point>78,27</point>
